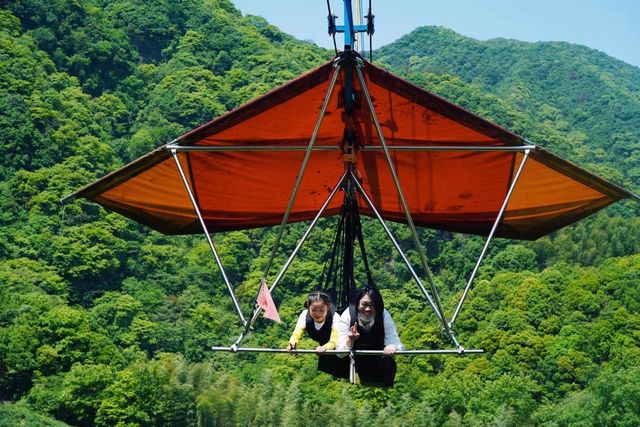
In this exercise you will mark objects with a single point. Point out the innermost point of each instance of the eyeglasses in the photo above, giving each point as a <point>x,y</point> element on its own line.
<point>364,305</point>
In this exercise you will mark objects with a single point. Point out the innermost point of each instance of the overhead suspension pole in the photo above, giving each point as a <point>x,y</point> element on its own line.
<point>349,31</point>
<point>349,28</point>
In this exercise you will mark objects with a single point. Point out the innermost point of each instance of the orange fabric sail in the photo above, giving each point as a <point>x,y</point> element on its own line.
<point>449,179</point>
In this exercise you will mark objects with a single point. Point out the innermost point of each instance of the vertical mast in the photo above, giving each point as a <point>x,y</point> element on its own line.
<point>350,28</point>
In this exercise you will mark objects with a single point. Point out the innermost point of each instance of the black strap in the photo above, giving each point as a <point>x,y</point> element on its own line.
<point>363,251</point>
<point>348,280</point>
<point>338,278</point>
<point>329,277</point>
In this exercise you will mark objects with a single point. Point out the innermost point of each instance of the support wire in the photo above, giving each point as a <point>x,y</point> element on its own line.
<point>486,244</point>
<point>256,308</point>
<point>405,208</point>
<point>206,232</point>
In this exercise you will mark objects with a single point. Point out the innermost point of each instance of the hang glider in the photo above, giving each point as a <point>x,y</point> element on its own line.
<point>399,152</point>
<point>454,167</point>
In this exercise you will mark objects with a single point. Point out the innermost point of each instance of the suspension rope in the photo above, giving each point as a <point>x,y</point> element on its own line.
<point>331,18</point>
<point>363,252</point>
<point>338,277</point>
<point>330,279</point>
<point>370,30</point>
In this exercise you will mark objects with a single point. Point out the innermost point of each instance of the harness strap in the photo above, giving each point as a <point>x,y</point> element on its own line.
<point>338,278</point>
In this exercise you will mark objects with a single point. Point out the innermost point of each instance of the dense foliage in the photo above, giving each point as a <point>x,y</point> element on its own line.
<point>103,322</point>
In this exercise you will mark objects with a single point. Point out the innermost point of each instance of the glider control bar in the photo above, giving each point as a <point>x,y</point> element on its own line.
<point>357,352</point>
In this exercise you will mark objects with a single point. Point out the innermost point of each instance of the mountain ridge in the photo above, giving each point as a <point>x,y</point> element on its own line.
<point>577,88</point>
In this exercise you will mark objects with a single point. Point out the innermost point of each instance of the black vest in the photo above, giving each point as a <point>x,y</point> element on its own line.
<point>372,339</point>
<point>321,336</point>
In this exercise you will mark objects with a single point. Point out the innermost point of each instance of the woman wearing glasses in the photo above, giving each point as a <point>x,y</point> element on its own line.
<point>320,321</point>
<point>366,325</point>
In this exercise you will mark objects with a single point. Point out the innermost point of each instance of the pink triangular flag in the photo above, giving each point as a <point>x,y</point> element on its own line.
<point>266,302</point>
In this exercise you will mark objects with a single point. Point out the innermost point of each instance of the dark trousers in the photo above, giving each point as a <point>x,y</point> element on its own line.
<point>377,371</point>
<point>334,365</point>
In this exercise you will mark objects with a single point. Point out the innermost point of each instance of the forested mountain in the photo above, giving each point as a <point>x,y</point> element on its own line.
<point>104,322</point>
<point>585,103</point>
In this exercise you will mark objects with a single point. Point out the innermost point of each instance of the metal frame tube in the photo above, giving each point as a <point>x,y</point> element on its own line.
<point>294,192</point>
<point>256,310</point>
<point>206,232</point>
<point>349,32</point>
<point>519,148</point>
<point>303,166</point>
<point>489,237</point>
<point>357,352</point>
<point>306,234</point>
<point>398,248</point>
<point>405,207</point>
<point>258,148</point>
<point>275,148</point>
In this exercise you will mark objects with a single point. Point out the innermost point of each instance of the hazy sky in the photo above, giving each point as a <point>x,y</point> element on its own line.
<point>611,26</point>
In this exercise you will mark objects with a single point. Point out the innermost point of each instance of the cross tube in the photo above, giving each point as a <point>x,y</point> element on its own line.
<point>357,352</point>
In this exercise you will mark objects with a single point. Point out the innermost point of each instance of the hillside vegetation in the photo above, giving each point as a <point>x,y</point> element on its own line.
<point>104,322</point>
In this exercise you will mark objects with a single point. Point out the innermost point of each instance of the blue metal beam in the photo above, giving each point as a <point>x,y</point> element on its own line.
<point>349,34</point>
<point>349,29</point>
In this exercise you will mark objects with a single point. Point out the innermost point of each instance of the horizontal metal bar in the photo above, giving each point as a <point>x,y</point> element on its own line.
<point>179,148</point>
<point>357,352</point>
<point>356,28</point>
<point>447,148</point>
<point>254,148</point>
<point>337,148</point>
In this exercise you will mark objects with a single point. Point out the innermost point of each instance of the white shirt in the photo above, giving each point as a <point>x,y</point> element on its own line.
<point>390,331</point>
